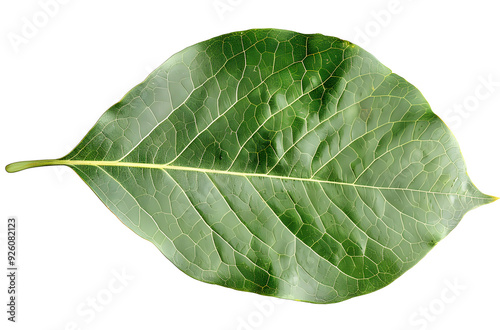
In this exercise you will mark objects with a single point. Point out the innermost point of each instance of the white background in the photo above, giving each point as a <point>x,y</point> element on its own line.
<point>77,63</point>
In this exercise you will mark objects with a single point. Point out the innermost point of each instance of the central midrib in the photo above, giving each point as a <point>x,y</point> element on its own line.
<point>203,170</point>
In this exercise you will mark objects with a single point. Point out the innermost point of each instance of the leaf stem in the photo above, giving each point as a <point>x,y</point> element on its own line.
<point>19,166</point>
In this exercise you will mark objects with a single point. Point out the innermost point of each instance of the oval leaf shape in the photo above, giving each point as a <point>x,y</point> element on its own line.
<point>290,165</point>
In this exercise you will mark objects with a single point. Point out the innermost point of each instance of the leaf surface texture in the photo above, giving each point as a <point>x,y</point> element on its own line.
<point>290,165</point>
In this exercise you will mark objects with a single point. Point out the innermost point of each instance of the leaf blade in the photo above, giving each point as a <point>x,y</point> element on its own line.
<point>289,165</point>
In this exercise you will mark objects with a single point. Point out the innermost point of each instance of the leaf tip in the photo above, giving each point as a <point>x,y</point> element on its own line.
<point>491,199</point>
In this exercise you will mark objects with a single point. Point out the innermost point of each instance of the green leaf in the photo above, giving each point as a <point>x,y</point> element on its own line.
<point>290,165</point>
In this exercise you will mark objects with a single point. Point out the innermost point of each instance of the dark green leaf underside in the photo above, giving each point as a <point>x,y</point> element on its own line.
<point>290,165</point>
